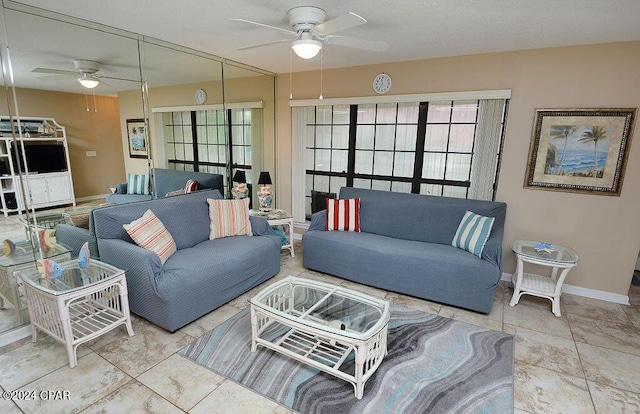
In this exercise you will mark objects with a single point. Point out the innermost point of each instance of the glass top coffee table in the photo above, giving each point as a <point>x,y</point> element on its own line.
<point>322,326</point>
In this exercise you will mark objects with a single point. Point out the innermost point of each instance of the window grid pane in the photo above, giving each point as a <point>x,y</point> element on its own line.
<point>384,151</point>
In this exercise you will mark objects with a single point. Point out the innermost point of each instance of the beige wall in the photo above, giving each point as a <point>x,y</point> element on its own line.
<point>93,130</point>
<point>604,230</point>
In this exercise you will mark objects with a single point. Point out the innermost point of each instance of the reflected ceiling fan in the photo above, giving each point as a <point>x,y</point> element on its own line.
<point>309,31</point>
<point>86,72</point>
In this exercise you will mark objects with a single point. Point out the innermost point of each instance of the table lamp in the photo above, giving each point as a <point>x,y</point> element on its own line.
<point>240,189</point>
<point>264,195</point>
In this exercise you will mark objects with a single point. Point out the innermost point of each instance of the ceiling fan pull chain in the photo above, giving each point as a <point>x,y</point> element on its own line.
<point>290,73</point>
<point>321,64</point>
<point>86,99</point>
<point>95,106</point>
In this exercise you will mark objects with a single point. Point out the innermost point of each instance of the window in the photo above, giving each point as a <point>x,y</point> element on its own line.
<point>444,148</point>
<point>196,140</point>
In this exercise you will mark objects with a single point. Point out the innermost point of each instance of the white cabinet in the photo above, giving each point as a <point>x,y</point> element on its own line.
<point>43,159</point>
<point>48,190</point>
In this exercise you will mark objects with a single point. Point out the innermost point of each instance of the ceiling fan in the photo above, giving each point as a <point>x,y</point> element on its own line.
<point>86,72</point>
<point>310,31</point>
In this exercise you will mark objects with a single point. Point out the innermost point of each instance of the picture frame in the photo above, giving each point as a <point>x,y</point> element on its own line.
<point>580,150</point>
<point>136,133</point>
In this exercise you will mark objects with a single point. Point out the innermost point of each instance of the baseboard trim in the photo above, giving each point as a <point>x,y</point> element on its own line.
<point>586,292</point>
<point>15,335</point>
<point>91,198</point>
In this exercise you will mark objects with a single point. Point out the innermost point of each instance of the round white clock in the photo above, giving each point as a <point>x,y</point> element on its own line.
<point>201,96</point>
<point>382,83</point>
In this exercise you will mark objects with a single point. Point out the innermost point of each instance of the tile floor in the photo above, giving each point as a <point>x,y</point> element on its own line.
<point>587,361</point>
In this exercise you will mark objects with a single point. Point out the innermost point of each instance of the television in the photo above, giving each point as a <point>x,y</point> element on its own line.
<point>42,157</point>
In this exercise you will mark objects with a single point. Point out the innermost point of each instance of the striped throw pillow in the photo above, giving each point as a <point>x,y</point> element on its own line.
<point>473,232</point>
<point>343,215</point>
<point>137,184</point>
<point>229,218</point>
<point>149,232</point>
<point>191,185</point>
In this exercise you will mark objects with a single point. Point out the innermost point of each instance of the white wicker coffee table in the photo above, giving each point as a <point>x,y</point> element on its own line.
<point>324,324</point>
<point>78,306</point>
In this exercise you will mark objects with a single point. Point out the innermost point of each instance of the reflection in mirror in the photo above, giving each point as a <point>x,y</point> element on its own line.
<point>185,135</point>
<point>69,137</point>
<point>250,104</point>
<point>179,93</point>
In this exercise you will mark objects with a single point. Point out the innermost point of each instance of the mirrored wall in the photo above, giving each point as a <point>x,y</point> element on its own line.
<point>67,145</point>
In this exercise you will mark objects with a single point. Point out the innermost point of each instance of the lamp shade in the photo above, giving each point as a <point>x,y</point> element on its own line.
<point>306,48</point>
<point>88,81</point>
<point>240,177</point>
<point>265,178</point>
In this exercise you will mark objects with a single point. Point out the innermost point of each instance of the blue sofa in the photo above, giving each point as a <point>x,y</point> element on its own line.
<point>405,246</point>
<point>165,181</point>
<point>201,275</point>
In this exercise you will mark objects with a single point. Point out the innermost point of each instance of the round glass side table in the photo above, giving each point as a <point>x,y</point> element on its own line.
<point>551,255</point>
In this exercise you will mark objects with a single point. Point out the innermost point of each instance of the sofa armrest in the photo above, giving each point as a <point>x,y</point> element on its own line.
<point>121,188</point>
<point>139,264</point>
<point>260,226</point>
<point>318,221</point>
<point>74,237</point>
<point>492,251</point>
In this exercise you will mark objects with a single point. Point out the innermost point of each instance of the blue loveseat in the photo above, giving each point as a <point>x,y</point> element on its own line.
<point>405,246</point>
<point>201,275</point>
<point>165,181</point>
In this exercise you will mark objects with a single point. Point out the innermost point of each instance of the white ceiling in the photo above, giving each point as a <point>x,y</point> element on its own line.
<point>415,29</point>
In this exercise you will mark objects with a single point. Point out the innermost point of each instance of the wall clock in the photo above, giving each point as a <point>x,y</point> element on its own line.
<point>201,96</point>
<point>382,83</point>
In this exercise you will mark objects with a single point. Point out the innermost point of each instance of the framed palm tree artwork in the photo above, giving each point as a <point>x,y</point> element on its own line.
<point>580,150</point>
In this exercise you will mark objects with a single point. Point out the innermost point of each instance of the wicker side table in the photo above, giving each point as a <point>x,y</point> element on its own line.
<point>78,306</point>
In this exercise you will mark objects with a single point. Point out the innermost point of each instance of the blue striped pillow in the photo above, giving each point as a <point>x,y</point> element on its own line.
<point>473,232</point>
<point>137,184</point>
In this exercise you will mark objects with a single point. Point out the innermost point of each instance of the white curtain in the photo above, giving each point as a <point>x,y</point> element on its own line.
<point>487,145</point>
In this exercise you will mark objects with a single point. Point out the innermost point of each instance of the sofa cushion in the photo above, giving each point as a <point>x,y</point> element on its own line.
<point>431,219</point>
<point>149,232</point>
<point>229,218</point>
<point>137,184</point>
<point>189,227</point>
<point>343,214</point>
<point>473,232</point>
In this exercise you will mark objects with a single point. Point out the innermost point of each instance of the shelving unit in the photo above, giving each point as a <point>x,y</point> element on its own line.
<point>45,189</point>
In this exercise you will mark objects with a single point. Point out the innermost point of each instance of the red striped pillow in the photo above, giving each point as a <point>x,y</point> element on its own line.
<point>149,232</point>
<point>191,185</point>
<point>343,215</point>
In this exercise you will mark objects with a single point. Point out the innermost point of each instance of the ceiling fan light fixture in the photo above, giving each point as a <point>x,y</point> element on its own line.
<point>306,48</point>
<point>88,81</point>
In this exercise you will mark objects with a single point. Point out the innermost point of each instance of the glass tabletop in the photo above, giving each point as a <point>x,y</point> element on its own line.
<point>72,279</point>
<point>330,307</point>
<point>272,215</point>
<point>23,253</point>
<point>45,220</point>
<point>549,252</point>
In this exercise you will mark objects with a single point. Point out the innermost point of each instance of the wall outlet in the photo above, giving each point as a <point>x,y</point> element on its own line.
<point>91,154</point>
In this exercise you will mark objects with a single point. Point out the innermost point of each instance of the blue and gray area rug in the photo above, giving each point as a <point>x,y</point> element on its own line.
<point>434,365</point>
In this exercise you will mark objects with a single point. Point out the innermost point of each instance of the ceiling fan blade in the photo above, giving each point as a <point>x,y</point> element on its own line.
<point>56,78</point>
<point>344,22</point>
<point>55,71</point>
<point>356,43</point>
<point>100,78</point>
<point>264,25</point>
<point>264,44</point>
